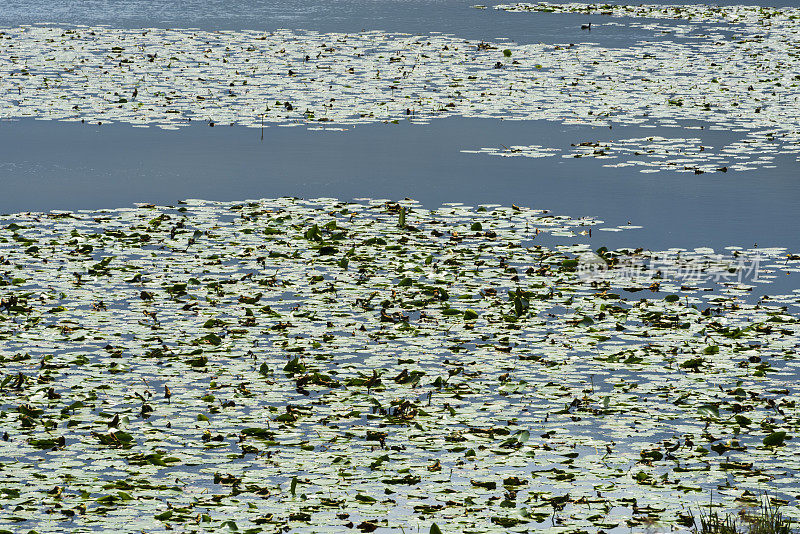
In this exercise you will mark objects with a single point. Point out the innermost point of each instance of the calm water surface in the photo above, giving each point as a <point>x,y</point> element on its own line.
<point>413,16</point>
<point>74,166</point>
<point>49,165</point>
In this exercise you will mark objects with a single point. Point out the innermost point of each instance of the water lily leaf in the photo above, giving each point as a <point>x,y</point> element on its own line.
<point>742,420</point>
<point>709,410</point>
<point>775,439</point>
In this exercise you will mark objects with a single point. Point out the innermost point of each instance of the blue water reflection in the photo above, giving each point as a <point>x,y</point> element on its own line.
<point>74,166</point>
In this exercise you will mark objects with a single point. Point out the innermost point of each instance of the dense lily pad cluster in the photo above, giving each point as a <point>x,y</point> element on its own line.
<point>734,14</point>
<point>293,364</point>
<point>737,71</point>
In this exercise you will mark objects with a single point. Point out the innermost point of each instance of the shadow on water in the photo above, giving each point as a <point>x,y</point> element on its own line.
<point>47,165</point>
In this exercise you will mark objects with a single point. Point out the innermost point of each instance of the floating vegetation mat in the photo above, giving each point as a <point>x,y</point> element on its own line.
<point>734,14</point>
<point>293,364</point>
<point>735,72</point>
<point>654,154</point>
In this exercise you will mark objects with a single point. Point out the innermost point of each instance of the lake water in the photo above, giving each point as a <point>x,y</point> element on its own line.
<point>49,165</point>
<point>75,166</point>
<point>413,16</point>
<point>628,390</point>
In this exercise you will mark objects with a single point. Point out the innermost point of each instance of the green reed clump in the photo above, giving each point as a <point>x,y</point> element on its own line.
<point>766,520</point>
<point>712,523</point>
<point>769,520</point>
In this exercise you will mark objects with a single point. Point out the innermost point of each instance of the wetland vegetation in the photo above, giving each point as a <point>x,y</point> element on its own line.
<point>317,363</point>
<point>289,364</point>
